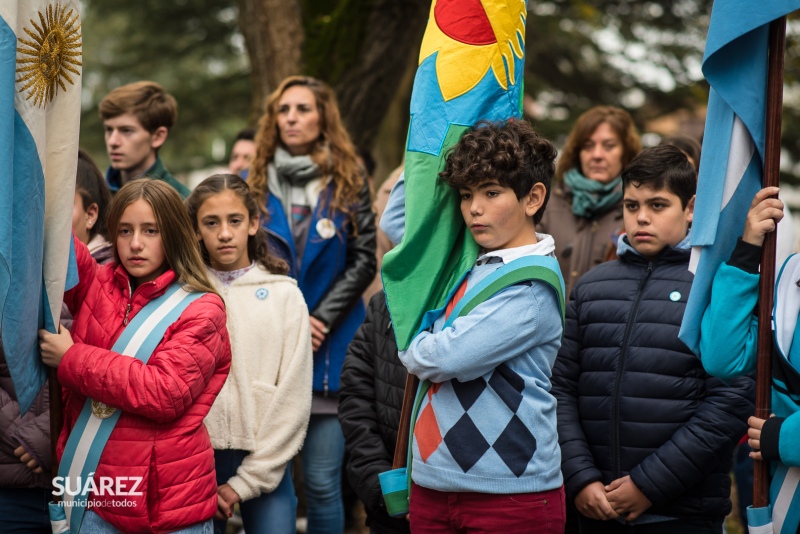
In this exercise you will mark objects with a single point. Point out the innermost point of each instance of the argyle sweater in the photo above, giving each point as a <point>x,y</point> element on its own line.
<point>488,422</point>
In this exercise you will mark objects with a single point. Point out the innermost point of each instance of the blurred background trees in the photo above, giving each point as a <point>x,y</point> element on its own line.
<point>220,58</point>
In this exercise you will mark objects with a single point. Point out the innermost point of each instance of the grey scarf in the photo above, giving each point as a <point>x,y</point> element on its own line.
<point>286,172</point>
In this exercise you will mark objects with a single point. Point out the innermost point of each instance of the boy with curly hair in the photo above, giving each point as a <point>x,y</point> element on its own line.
<point>485,453</point>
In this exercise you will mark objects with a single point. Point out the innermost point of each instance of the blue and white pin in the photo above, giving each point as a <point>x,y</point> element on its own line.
<point>326,228</point>
<point>675,296</point>
<point>261,293</point>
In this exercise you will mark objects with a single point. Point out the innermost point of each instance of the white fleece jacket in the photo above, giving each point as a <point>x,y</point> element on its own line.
<point>265,404</point>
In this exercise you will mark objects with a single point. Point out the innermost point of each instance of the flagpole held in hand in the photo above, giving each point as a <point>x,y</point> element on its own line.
<point>777,44</point>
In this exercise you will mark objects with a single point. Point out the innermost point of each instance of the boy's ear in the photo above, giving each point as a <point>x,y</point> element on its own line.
<point>158,137</point>
<point>690,209</point>
<point>535,199</point>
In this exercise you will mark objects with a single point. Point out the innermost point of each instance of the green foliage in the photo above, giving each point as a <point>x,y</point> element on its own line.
<point>334,35</point>
<point>642,56</point>
<point>191,47</point>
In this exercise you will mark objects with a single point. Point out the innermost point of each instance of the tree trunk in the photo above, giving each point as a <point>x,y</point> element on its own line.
<point>273,34</point>
<point>394,31</point>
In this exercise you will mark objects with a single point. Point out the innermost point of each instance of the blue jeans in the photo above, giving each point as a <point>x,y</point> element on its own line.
<point>24,510</point>
<point>323,453</point>
<point>269,513</point>
<point>94,524</point>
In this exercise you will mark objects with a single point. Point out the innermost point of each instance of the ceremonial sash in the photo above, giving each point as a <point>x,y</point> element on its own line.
<point>97,420</point>
<point>782,516</point>
<point>396,484</point>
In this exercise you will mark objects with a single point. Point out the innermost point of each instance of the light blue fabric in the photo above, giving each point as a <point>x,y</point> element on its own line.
<point>323,453</point>
<point>521,328</point>
<point>393,219</point>
<point>735,65</point>
<point>94,524</point>
<point>624,245</point>
<point>728,348</point>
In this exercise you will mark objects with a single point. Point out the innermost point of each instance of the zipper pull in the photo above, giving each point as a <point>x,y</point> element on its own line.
<point>127,311</point>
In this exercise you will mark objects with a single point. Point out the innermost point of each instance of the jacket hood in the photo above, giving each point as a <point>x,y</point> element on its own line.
<point>625,249</point>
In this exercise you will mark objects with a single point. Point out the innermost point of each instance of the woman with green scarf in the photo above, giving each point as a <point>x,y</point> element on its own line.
<point>584,214</point>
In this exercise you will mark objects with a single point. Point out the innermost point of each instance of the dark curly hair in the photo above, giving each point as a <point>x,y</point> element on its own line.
<point>257,248</point>
<point>511,152</point>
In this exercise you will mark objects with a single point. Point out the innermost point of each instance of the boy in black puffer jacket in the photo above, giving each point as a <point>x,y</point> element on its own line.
<point>370,400</point>
<point>646,434</point>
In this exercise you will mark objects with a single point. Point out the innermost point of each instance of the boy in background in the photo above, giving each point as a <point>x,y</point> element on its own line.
<point>646,434</point>
<point>137,119</point>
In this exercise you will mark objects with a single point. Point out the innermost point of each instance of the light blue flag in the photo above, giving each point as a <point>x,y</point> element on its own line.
<point>40,86</point>
<point>731,166</point>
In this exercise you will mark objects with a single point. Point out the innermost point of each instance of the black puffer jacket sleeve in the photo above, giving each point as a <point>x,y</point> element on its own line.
<point>577,463</point>
<point>370,400</point>
<point>693,451</point>
<point>359,270</point>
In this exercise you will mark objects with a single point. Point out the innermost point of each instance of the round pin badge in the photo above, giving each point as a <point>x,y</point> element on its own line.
<point>261,293</point>
<point>675,296</point>
<point>325,228</point>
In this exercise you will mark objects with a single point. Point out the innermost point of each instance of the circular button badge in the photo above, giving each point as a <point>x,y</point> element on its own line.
<point>325,228</point>
<point>675,296</point>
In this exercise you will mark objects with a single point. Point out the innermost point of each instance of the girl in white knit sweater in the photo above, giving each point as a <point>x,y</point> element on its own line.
<point>259,420</point>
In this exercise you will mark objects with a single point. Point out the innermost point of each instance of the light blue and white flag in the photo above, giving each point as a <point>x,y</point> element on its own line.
<point>731,166</point>
<point>40,96</point>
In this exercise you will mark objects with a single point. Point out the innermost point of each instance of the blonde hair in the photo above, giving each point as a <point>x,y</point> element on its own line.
<point>337,164</point>
<point>620,122</point>
<point>177,233</point>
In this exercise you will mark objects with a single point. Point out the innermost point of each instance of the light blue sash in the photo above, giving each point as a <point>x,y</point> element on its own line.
<point>396,484</point>
<point>97,420</point>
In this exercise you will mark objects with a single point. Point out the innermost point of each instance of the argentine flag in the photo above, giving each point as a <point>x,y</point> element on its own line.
<point>40,96</point>
<point>735,65</point>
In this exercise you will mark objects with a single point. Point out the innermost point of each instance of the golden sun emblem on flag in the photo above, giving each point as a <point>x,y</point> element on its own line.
<point>51,53</point>
<point>471,37</point>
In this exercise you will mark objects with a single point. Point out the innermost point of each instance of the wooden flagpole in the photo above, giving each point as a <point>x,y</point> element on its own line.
<point>401,447</point>
<point>56,419</point>
<point>772,158</point>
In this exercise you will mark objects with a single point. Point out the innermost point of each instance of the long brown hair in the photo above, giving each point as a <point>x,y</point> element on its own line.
<point>177,235</point>
<point>257,248</point>
<point>620,122</point>
<point>333,152</point>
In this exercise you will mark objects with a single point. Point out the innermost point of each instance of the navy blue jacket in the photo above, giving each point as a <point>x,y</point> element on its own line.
<point>633,400</point>
<point>333,275</point>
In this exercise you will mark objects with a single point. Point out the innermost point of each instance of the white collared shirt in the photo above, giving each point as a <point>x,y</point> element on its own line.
<point>544,246</point>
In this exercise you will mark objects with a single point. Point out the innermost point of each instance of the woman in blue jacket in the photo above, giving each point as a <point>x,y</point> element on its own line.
<point>319,219</point>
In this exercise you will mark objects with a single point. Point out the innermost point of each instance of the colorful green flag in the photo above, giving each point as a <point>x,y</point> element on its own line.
<point>471,68</point>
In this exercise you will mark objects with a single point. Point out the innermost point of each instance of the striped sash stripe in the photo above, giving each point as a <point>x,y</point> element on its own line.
<point>90,434</point>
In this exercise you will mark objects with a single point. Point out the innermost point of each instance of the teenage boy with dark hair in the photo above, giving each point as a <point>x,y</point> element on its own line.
<point>485,454</point>
<point>646,434</point>
<point>137,119</point>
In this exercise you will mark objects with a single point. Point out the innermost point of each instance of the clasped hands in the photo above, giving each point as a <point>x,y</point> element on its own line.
<point>620,498</point>
<point>226,499</point>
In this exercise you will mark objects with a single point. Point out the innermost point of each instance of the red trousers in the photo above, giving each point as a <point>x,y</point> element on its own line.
<point>436,512</point>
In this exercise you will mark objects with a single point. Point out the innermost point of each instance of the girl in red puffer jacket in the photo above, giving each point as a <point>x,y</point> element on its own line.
<point>156,471</point>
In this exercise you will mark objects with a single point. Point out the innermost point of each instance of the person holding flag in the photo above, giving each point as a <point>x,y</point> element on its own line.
<point>744,50</point>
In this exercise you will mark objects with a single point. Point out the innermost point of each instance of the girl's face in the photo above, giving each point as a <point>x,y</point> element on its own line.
<point>83,219</point>
<point>139,244</point>
<point>224,227</point>
<point>298,120</point>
